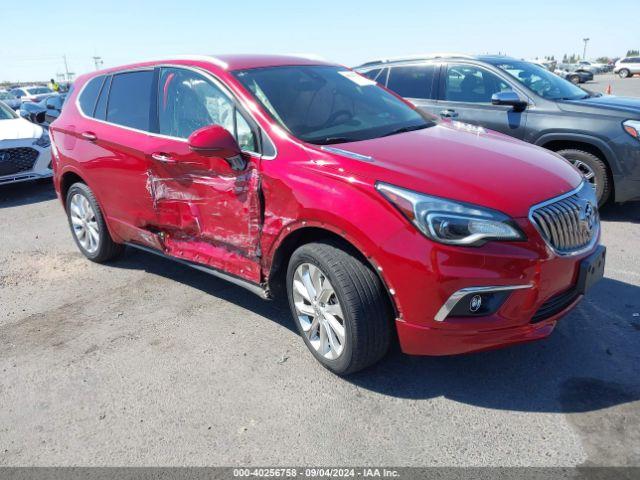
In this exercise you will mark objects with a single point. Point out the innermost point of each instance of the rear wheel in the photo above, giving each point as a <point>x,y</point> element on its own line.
<point>340,307</point>
<point>593,169</point>
<point>88,227</point>
<point>575,79</point>
<point>624,73</point>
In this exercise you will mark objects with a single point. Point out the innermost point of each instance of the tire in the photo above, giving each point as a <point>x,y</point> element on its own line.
<point>624,73</point>
<point>361,297</point>
<point>104,248</point>
<point>588,164</point>
<point>575,79</point>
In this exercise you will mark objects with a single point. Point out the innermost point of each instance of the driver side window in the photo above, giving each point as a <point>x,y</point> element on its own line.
<point>188,101</point>
<point>467,83</point>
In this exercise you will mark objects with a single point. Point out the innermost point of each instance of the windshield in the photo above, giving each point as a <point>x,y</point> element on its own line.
<point>6,113</point>
<point>38,90</point>
<point>7,96</point>
<point>542,81</point>
<point>327,104</point>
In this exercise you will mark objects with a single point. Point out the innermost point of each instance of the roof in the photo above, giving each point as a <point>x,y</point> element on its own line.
<point>241,62</point>
<point>433,56</point>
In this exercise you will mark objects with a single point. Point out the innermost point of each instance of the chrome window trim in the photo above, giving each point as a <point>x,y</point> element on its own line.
<point>586,248</point>
<point>219,83</point>
<point>455,297</point>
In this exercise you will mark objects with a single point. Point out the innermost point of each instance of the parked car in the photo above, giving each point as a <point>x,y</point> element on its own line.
<point>627,67</point>
<point>45,111</point>
<point>285,174</point>
<point>24,149</point>
<point>591,66</point>
<point>33,93</point>
<point>10,100</point>
<point>598,134</point>
<point>573,73</point>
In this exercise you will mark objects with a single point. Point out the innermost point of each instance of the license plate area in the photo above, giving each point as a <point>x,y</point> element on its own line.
<point>591,270</point>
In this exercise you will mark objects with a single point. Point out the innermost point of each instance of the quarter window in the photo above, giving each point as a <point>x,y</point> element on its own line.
<point>412,81</point>
<point>466,83</point>
<point>101,106</point>
<point>89,95</point>
<point>130,99</point>
<point>188,101</point>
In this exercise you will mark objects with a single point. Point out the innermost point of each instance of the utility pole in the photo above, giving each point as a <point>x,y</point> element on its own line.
<point>98,62</point>
<point>68,74</point>
<point>584,52</point>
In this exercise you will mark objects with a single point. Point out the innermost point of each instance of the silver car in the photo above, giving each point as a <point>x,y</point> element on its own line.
<point>627,67</point>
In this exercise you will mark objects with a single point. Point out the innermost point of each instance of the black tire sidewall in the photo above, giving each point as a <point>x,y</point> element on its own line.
<point>342,363</point>
<point>104,238</point>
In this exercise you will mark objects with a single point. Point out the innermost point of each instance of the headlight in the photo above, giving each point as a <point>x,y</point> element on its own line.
<point>44,141</point>
<point>632,127</point>
<point>450,222</point>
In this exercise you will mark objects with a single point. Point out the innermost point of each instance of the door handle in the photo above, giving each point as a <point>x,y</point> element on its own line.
<point>89,136</point>
<point>162,157</point>
<point>448,113</point>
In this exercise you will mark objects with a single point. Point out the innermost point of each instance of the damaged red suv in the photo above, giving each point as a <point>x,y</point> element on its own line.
<point>294,176</point>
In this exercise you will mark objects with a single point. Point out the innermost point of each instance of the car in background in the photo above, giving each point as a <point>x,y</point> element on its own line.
<point>627,67</point>
<point>573,73</point>
<point>594,68</point>
<point>32,93</point>
<point>45,111</point>
<point>598,134</point>
<point>10,100</point>
<point>25,149</point>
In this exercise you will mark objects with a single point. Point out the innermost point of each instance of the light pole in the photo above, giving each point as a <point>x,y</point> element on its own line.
<point>584,52</point>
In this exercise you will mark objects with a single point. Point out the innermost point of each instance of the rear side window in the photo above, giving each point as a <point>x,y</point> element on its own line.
<point>89,95</point>
<point>412,81</point>
<point>130,99</point>
<point>101,106</point>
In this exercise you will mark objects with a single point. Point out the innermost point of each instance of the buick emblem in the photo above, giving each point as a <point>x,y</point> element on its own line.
<point>588,217</point>
<point>475,303</point>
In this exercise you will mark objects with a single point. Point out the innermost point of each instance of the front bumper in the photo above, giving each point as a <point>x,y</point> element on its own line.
<point>34,169</point>
<point>425,275</point>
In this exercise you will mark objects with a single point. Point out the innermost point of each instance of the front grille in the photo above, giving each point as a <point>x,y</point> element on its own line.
<point>555,305</point>
<point>16,160</point>
<point>569,223</point>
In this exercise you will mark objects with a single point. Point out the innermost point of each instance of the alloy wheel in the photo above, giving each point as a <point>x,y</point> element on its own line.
<point>84,223</point>
<point>586,171</point>
<point>318,310</point>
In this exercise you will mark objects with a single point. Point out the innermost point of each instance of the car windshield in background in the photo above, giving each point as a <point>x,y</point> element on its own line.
<point>542,81</point>
<point>38,90</point>
<point>326,104</point>
<point>6,113</point>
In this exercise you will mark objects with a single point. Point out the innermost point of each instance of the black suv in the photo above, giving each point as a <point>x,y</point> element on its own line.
<point>599,134</point>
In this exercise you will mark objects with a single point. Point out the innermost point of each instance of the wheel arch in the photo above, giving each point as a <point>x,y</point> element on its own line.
<point>309,233</point>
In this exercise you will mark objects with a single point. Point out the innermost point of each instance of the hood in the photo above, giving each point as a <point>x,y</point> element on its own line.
<point>627,105</point>
<point>454,161</point>
<point>18,128</point>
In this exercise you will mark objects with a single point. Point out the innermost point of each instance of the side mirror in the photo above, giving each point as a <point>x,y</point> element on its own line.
<point>216,141</point>
<point>510,98</point>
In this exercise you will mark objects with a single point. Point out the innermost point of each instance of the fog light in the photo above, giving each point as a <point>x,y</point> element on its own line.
<point>475,303</point>
<point>479,304</point>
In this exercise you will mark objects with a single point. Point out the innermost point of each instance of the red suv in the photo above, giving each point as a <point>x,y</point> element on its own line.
<point>292,175</point>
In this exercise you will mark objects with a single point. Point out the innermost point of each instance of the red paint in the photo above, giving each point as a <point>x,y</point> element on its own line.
<point>200,209</point>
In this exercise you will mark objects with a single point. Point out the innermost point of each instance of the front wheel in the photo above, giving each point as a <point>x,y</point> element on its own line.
<point>340,307</point>
<point>88,227</point>
<point>593,169</point>
<point>624,73</point>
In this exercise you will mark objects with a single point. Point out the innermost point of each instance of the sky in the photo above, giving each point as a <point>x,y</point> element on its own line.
<point>350,32</point>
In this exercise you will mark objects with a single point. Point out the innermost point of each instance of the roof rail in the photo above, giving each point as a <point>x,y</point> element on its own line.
<point>427,56</point>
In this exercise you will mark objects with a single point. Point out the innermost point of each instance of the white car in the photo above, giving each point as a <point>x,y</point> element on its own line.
<point>24,149</point>
<point>627,67</point>
<point>32,93</point>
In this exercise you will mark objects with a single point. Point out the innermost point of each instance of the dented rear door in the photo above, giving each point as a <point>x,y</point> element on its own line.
<point>205,211</point>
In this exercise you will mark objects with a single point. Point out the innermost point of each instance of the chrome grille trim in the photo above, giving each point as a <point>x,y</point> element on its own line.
<point>562,224</point>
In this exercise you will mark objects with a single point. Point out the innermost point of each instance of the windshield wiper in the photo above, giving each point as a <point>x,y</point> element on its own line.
<point>406,129</point>
<point>331,140</point>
